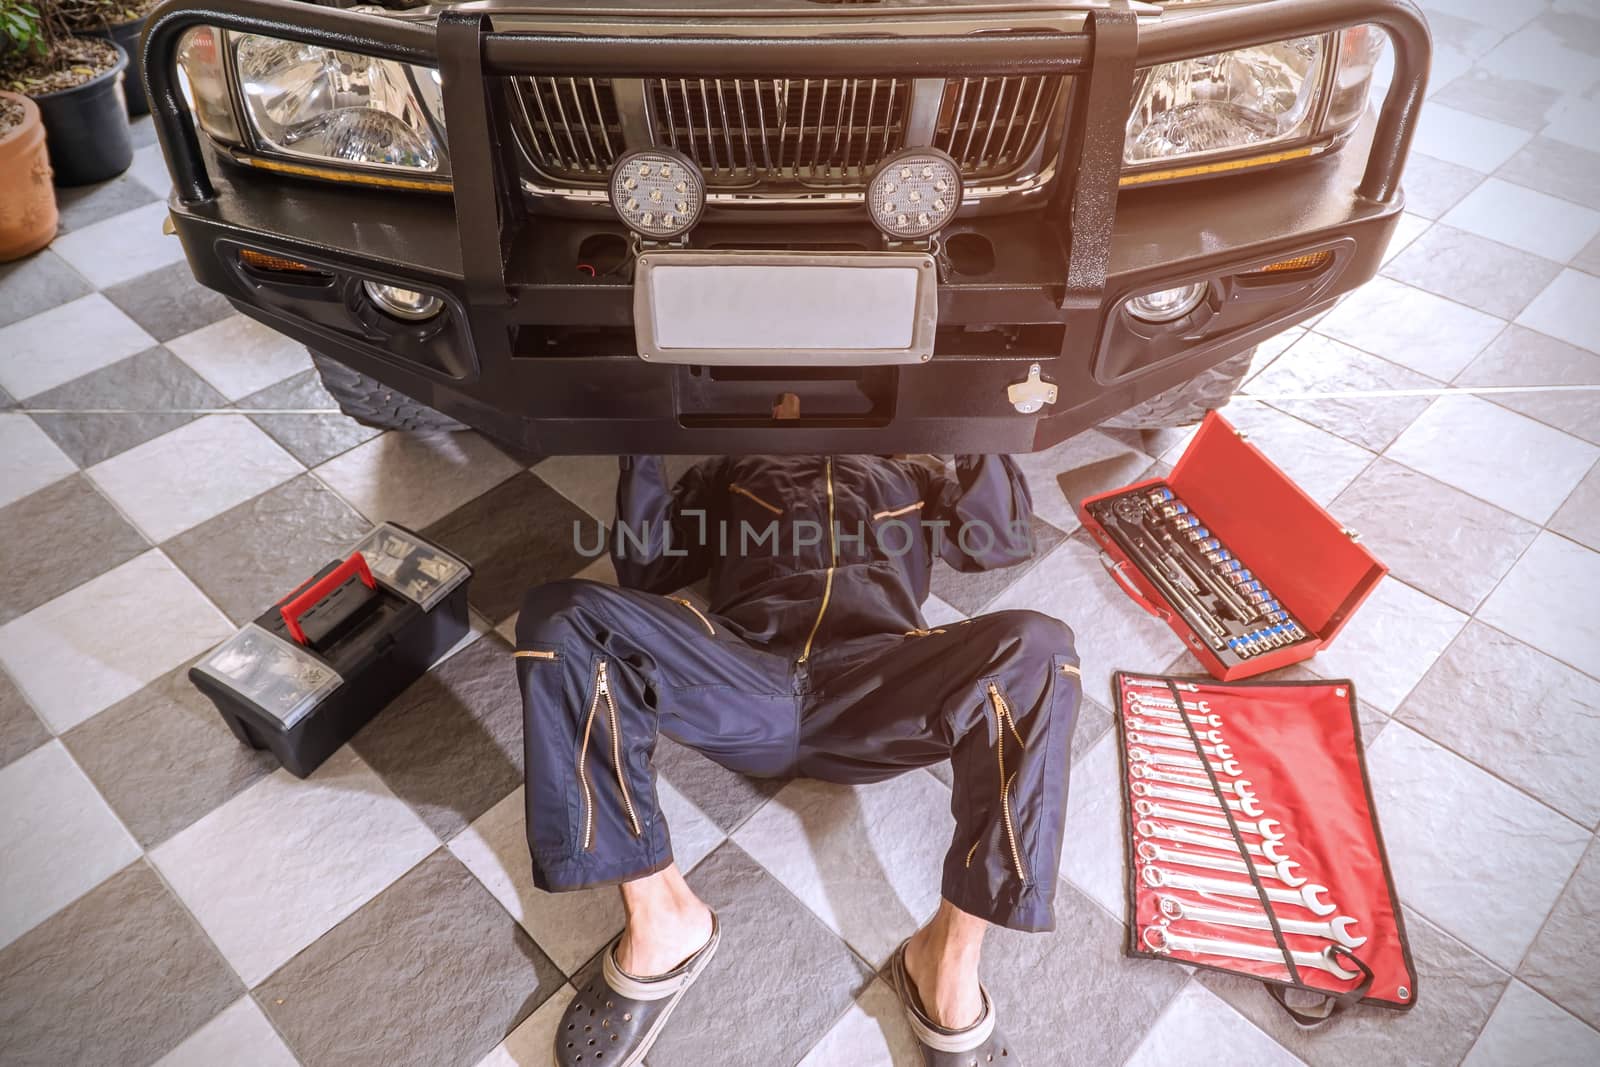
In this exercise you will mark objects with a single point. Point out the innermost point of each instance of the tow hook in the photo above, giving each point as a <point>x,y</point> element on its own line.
<point>1032,393</point>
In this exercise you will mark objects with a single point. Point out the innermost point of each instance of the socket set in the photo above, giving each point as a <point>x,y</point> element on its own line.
<point>1219,597</point>
<point>1244,566</point>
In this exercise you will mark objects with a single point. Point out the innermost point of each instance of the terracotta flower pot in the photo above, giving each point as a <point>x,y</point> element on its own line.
<point>27,199</point>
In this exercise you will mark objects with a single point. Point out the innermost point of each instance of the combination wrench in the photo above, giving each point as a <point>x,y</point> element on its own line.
<point>1147,683</point>
<point>1166,730</point>
<point>1262,828</point>
<point>1221,751</point>
<point>1160,940</point>
<point>1335,929</point>
<point>1306,896</point>
<point>1229,767</point>
<point>1244,805</point>
<point>1268,850</point>
<point>1241,788</point>
<point>1156,711</point>
<point>1151,852</point>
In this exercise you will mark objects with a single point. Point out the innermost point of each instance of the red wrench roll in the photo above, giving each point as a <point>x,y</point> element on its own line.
<point>1252,843</point>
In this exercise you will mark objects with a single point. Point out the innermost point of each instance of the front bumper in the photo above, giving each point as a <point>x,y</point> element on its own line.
<point>534,350</point>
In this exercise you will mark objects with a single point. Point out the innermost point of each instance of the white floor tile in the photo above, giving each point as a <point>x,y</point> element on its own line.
<point>873,1033</point>
<point>1472,854</point>
<point>1466,140</point>
<point>867,859</point>
<point>1526,1030</point>
<point>1413,328</point>
<point>1389,643</point>
<point>1548,601</point>
<point>193,473</point>
<point>280,864</point>
<point>1407,230</point>
<point>1508,459</point>
<point>570,927</point>
<point>1534,222</point>
<point>1506,16</point>
<point>64,343</point>
<point>122,247</point>
<point>1198,1026</point>
<point>1092,847</point>
<point>240,356</point>
<point>29,460</point>
<point>936,612</point>
<point>58,839</point>
<point>1572,121</point>
<point>588,481</point>
<point>239,1036</point>
<point>416,479</point>
<point>1539,55</point>
<point>150,170</point>
<point>530,1044</point>
<point>86,649</point>
<point>1569,308</point>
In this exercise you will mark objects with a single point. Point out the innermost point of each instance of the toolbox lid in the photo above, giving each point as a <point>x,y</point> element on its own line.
<point>281,678</point>
<point>1312,563</point>
<point>406,564</point>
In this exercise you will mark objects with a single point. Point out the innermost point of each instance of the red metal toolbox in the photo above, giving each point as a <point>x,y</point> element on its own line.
<point>1314,567</point>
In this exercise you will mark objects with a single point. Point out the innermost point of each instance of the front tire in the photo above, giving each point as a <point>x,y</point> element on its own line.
<point>371,403</point>
<point>1187,404</point>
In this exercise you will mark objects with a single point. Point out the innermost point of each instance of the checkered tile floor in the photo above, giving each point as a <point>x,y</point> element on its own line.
<point>167,896</point>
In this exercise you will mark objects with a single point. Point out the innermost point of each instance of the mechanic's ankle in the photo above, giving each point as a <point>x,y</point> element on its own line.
<point>944,970</point>
<point>667,923</point>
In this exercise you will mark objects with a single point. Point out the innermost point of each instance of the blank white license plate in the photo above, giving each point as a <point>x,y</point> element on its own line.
<point>773,308</point>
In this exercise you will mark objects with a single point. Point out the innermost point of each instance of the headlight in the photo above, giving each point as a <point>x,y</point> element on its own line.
<point>340,107</point>
<point>1253,103</point>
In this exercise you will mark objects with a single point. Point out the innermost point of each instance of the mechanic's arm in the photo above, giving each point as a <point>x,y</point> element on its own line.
<point>989,512</point>
<point>661,539</point>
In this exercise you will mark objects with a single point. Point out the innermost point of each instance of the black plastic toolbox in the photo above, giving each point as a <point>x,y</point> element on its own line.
<point>316,667</point>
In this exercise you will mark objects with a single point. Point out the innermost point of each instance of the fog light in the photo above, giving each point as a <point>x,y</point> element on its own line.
<point>658,193</point>
<point>915,193</point>
<point>1166,305</point>
<point>407,304</point>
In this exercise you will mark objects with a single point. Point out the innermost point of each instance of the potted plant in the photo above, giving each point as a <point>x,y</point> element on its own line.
<point>77,83</point>
<point>121,21</point>
<point>27,201</point>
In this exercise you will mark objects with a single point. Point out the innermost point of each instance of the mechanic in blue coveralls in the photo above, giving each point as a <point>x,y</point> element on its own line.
<point>813,659</point>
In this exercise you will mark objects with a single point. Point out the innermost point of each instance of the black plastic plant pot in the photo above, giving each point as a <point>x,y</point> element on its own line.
<point>126,37</point>
<point>86,127</point>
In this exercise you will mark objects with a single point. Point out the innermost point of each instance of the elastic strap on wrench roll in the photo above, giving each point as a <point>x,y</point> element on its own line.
<point>1332,1003</point>
<point>1238,838</point>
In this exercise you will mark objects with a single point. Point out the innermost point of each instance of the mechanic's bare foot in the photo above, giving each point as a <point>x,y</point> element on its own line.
<point>667,924</point>
<point>942,962</point>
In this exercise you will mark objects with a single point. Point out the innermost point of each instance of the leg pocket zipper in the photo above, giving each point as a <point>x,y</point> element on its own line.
<point>603,691</point>
<point>1002,723</point>
<point>712,630</point>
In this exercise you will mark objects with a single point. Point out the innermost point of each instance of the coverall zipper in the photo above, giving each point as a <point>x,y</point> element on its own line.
<point>833,556</point>
<point>742,491</point>
<point>697,613</point>
<point>1002,722</point>
<point>603,689</point>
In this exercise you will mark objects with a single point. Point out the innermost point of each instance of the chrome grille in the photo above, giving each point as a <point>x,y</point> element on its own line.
<point>992,125</point>
<point>569,127</point>
<point>812,131</point>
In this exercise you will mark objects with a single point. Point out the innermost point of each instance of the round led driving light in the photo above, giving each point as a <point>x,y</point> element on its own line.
<point>1166,305</point>
<point>915,193</point>
<point>658,193</point>
<point>406,304</point>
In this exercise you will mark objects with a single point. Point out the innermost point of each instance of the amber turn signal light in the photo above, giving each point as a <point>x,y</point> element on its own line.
<point>1309,261</point>
<point>255,260</point>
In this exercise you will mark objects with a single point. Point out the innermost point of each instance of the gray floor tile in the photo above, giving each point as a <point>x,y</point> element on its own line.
<point>1473,270</point>
<point>1081,966</point>
<point>727,797</point>
<point>252,555</point>
<point>1093,722</point>
<point>56,539</point>
<point>20,729</point>
<point>431,972</point>
<point>1589,259</point>
<point>1527,1028</point>
<point>1434,186</point>
<point>1559,964</point>
<point>516,536</point>
<point>312,439</point>
<point>168,302</point>
<point>1456,991</point>
<point>1520,356</point>
<point>119,976</point>
<point>1557,168</point>
<point>7,401</point>
<point>1428,333</point>
<point>1508,100</point>
<point>969,592</point>
<point>163,757</point>
<point>451,744</point>
<point>149,394</point>
<point>1513,710</point>
<point>37,283</point>
<point>1438,539</point>
<point>1318,364</point>
<point>1547,601</point>
<point>85,205</point>
<point>744,1009</point>
<point>1579,517</point>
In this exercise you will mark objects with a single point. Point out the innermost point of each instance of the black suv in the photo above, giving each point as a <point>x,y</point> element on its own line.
<point>724,226</point>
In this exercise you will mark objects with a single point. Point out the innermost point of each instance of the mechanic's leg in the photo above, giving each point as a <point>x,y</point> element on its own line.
<point>602,670</point>
<point>999,696</point>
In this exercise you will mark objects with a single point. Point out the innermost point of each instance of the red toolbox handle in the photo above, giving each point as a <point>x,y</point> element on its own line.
<point>312,595</point>
<point>1115,570</point>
